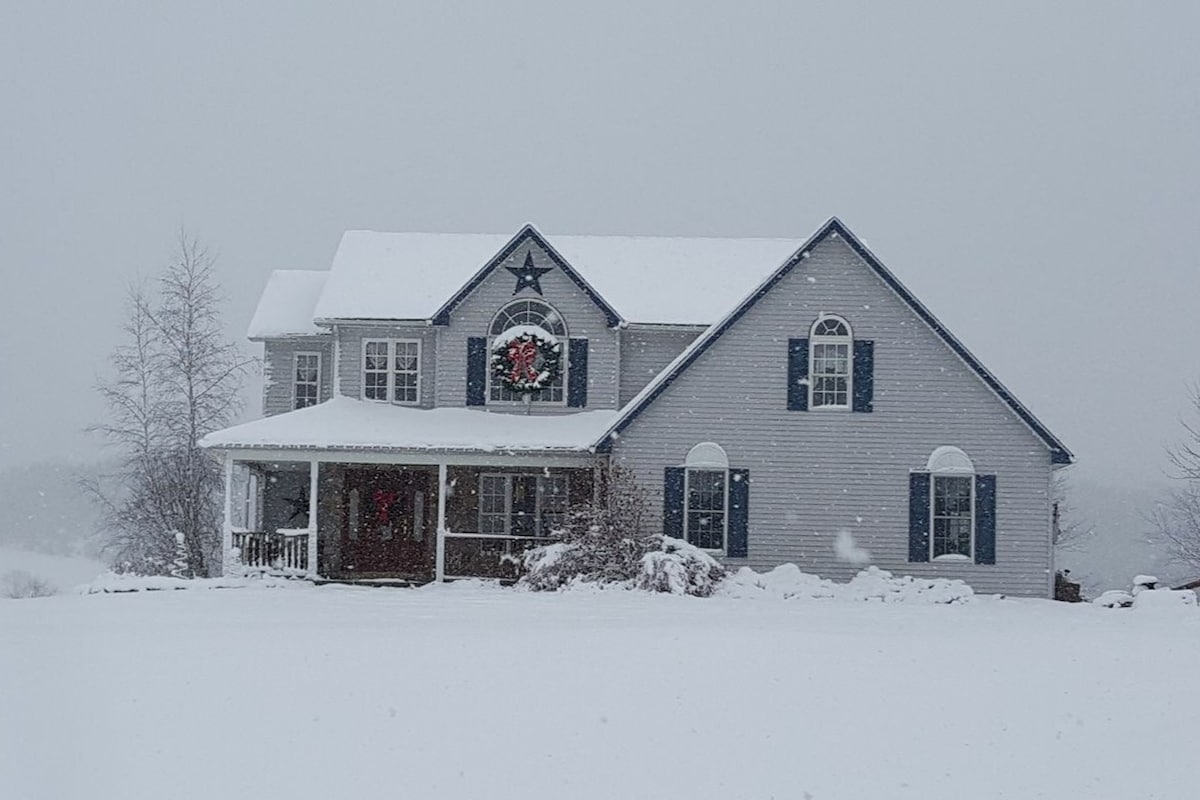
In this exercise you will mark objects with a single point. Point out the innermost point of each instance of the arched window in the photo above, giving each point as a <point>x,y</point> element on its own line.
<point>830,363</point>
<point>541,315</point>
<point>706,496</point>
<point>952,504</point>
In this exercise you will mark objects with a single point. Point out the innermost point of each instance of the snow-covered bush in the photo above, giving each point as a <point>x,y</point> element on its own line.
<point>19,585</point>
<point>679,568</point>
<point>1164,599</point>
<point>788,582</point>
<point>1114,598</point>
<point>606,543</point>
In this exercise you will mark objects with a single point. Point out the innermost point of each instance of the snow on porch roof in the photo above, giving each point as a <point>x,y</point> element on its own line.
<point>343,423</point>
<point>646,279</point>
<point>286,306</point>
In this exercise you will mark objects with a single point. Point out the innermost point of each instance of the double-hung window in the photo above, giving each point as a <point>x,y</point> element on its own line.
<point>306,380</point>
<point>706,496</point>
<point>830,363</point>
<point>522,504</point>
<point>953,507</point>
<point>392,370</point>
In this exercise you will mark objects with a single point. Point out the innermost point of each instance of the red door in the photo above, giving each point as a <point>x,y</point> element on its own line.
<point>387,531</point>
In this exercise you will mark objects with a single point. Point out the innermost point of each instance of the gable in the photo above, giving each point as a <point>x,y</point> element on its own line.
<point>834,231</point>
<point>527,258</point>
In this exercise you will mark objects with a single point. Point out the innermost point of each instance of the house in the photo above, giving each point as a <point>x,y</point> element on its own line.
<point>434,403</point>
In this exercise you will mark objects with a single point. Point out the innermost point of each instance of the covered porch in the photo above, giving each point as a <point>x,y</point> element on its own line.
<point>354,490</point>
<point>404,519</point>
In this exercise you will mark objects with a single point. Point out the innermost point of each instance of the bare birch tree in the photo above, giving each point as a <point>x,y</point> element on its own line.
<point>1177,517</point>
<point>176,378</point>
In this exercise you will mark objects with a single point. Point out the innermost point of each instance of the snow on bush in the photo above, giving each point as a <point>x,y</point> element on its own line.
<point>1114,598</point>
<point>788,582</point>
<point>19,585</point>
<point>679,568</point>
<point>119,582</point>
<point>1164,599</point>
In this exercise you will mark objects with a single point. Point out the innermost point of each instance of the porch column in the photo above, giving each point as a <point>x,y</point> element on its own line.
<point>227,562</point>
<point>313,510</point>
<point>440,563</point>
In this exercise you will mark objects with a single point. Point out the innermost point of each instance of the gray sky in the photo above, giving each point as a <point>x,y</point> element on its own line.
<point>1032,173</point>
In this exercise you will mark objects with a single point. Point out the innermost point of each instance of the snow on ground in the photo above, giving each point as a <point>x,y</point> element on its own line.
<point>64,573</point>
<point>469,691</point>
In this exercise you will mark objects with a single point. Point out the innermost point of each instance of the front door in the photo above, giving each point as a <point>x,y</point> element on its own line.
<point>387,531</point>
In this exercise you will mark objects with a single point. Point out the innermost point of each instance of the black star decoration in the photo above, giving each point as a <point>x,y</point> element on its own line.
<point>528,276</point>
<point>298,504</point>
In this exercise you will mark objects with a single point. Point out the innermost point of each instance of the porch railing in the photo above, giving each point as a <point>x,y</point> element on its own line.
<point>283,549</point>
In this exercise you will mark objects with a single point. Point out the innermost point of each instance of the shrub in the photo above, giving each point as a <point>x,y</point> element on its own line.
<point>606,543</point>
<point>19,584</point>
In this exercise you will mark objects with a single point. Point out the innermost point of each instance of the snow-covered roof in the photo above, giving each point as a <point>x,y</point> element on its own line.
<point>286,306</point>
<point>644,278</point>
<point>344,423</point>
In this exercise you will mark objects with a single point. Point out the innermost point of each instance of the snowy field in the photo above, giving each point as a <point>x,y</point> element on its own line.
<point>469,691</point>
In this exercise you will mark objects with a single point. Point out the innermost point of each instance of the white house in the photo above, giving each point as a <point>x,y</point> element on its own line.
<point>446,398</point>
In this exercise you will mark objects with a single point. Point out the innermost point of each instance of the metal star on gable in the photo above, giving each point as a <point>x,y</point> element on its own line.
<point>528,276</point>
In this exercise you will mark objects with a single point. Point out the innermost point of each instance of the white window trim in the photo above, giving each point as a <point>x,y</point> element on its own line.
<point>391,370</point>
<point>687,480</point>
<point>295,365</point>
<point>508,500</point>
<point>951,473</point>
<point>564,358</point>
<point>813,341</point>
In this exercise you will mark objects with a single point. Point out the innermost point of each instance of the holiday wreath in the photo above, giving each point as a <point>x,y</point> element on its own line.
<point>526,359</point>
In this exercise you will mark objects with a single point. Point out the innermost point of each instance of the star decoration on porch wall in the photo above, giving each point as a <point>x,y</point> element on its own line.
<point>298,505</point>
<point>528,276</point>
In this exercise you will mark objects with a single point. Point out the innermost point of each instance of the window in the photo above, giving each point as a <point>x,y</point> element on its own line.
<point>830,369</point>
<point>531,312</point>
<point>522,504</point>
<point>705,492</point>
<point>952,504</point>
<point>392,370</point>
<point>306,380</point>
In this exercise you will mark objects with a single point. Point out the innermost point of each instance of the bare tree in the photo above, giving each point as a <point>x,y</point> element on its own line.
<point>1177,517</point>
<point>176,378</point>
<point>1070,529</point>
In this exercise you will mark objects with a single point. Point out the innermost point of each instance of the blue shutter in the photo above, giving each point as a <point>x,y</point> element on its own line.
<point>477,365</point>
<point>864,375</point>
<point>797,396</point>
<point>985,519</point>
<point>739,512</point>
<point>673,502</point>
<point>918,516</point>
<point>577,373</point>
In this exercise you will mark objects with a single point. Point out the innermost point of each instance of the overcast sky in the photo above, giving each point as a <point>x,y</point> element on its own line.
<point>1032,173</point>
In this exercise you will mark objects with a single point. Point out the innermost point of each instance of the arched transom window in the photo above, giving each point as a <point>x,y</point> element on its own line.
<point>830,366</point>
<point>544,316</point>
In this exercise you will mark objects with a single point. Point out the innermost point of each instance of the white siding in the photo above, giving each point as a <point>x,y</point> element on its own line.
<point>278,363</point>
<point>644,354</point>
<point>814,473</point>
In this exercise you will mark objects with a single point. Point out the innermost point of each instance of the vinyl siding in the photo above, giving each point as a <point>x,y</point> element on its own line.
<point>278,363</point>
<point>817,472</point>
<point>350,355</point>
<point>644,354</point>
<point>473,316</point>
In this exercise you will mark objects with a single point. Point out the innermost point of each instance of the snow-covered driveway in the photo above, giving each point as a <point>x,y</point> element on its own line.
<point>471,692</point>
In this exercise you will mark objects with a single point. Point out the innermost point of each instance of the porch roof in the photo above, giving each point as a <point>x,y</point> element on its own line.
<point>347,424</point>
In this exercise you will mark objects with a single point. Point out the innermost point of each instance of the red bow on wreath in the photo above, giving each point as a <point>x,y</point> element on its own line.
<point>384,500</point>
<point>522,358</point>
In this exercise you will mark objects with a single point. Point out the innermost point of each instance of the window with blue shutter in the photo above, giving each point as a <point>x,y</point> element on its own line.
<point>864,375</point>
<point>477,367</point>
<point>673,478</point>
<point>985,519</point>
<point>797,388</point>
<point>739,513</point>
<point>918,516</point>
<point>577,373</point>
